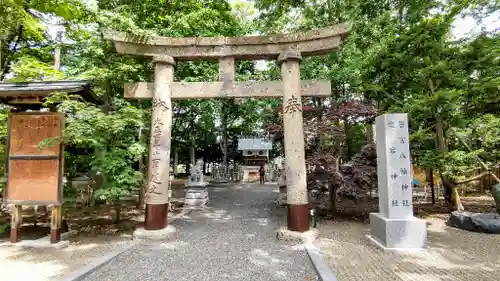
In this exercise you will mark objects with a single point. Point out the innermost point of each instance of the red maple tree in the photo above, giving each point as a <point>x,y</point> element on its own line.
<point>324,134</point>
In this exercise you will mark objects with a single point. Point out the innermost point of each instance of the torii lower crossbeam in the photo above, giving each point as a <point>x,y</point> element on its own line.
<point>229,89</point>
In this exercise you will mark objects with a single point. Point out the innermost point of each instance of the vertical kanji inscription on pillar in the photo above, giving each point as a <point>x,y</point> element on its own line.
<point>159,155</point>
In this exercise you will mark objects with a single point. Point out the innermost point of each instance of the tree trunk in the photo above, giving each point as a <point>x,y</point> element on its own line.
<point>118,210</point>
<point>332,194</point>
<point>347,141</point>
<point>370,136</point>
<point>431,181</point>
<point>440,138</point>
<point>205,156</point>
<point>224,142</point>
<point>192,152</point>
<point>13,41</point>
<point>176,160</point>
<point>451,193</point>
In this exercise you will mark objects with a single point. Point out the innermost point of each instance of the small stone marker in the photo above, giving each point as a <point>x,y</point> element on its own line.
<point>395,227</point>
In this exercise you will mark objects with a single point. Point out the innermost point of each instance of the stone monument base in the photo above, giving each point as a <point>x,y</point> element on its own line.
<point>196,196</point>
<point>398,234</point>
<point>299,237</point>
<point>168,233</point>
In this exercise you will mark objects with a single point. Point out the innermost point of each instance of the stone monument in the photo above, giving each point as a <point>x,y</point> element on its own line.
<point>196,194</point>
<point>395,227</point>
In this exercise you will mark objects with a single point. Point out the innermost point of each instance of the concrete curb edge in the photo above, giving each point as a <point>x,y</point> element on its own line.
<point>86,270</point>
<point>322,269</point>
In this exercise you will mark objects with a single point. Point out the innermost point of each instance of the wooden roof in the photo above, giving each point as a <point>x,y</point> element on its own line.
<point>32,94</point>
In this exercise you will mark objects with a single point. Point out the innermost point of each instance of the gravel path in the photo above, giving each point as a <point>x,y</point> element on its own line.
<point>452,255</point>
<point>234,239</point>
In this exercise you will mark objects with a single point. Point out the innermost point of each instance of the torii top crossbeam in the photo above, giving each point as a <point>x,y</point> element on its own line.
<point>314,42</point>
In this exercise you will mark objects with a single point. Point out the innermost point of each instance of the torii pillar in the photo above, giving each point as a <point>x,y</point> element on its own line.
<point>295,160</point>
<point>156,196</point>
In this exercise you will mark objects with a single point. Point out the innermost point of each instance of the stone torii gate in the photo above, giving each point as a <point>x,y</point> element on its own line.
<point>287,49</point>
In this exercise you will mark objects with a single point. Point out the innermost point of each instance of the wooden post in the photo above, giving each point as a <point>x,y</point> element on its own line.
<point>15,223</point>
<point>431,181</point>
<point>156,196</point>
<point>192,151</point>
<point>176,160</point>
<point>55,224</point>
<point>296,184</point>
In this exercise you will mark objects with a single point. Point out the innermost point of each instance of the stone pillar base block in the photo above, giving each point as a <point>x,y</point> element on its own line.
<point>166,234</point>
<point>196,196</point>
<point>399,235</point>
<point>294,236</point>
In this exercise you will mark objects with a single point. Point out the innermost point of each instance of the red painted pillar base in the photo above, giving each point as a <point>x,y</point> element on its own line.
<point>16,223</point>
<point>156,216</point>
<point>298,217</point>
<point>55,224</point>
<point>55,235</point>
<point>14,234</point>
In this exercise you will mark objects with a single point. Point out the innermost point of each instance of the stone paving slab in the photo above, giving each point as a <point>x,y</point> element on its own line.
<point>235,239</point>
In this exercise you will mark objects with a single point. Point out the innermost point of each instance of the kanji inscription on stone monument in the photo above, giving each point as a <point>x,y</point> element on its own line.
<point>394,169</point>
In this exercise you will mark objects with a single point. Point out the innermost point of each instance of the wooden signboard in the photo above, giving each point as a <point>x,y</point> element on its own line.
<point>34,175</point>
